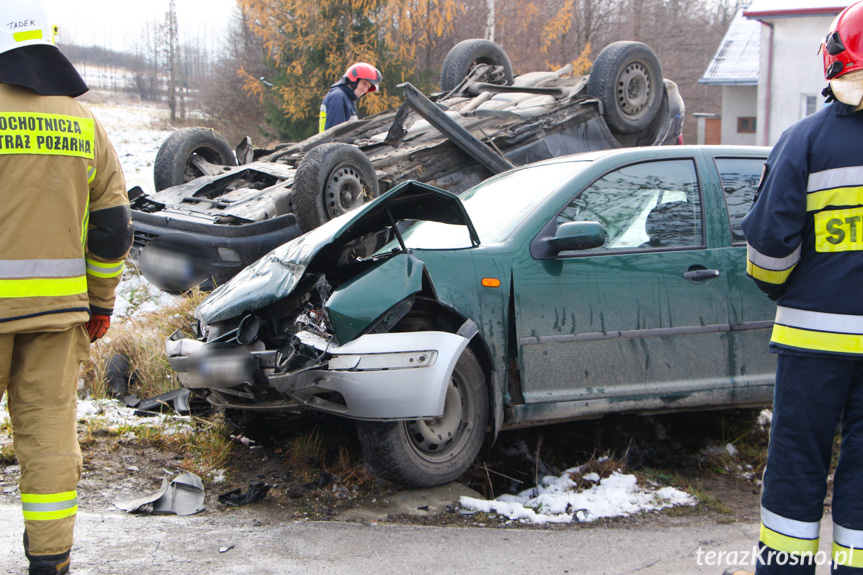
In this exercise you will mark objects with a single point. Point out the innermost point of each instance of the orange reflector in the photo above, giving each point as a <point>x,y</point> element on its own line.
<point>490,282</point>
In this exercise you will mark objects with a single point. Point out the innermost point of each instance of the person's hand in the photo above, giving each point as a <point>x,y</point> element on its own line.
<point>97,326</point>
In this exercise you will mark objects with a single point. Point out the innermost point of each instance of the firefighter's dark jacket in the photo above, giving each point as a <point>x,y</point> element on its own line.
<point>66,218</point>
<point>805,234</point>
<point>340,105</point>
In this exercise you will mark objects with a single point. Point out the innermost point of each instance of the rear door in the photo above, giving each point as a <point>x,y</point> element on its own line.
<point>643,317</point>
<point>751,312</point>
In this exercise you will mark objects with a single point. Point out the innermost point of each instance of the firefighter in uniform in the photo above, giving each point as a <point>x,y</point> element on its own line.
<point>805,251</point>
<point>65,234</point>
<point>340,103</point>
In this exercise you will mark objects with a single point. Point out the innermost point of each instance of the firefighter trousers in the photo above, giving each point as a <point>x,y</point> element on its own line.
<point>813,396</point>
<point>39,373</point>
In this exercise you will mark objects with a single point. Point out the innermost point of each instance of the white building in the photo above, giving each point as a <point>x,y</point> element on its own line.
<point>788,71</point>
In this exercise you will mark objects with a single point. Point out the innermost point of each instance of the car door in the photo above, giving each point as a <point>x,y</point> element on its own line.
<point>751,312</point>
<point>643,316</point>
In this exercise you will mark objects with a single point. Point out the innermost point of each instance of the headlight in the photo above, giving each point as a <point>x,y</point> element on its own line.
<point>381,361</point>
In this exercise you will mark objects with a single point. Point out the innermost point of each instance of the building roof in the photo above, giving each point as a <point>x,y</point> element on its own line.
<point>738,56</point>
<point>789,8</point>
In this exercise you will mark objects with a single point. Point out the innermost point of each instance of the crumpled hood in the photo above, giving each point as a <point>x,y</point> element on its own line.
<point>275,276</point>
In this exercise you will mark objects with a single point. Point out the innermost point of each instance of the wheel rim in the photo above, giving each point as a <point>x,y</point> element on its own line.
<point>442,438</point>
<point>634,90</point>
<point>208,153</point>
<point>346,189</point>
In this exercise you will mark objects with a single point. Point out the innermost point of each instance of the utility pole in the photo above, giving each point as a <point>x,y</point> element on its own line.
<point>489,20</point>
<point>174,65</point>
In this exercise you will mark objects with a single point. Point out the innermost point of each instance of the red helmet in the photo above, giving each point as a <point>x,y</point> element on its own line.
<point>843,47</point>
<point>363,71</point>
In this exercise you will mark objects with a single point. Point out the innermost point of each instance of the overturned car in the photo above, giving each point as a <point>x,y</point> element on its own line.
<point>616,285</point>
<point>238,205</point>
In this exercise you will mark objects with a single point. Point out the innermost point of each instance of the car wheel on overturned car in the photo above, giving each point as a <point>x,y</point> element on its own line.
<point>332,179</point>
<point>627,78</point>
<point>436,451</point>
<point>467,53</point>
<point>174,163</point>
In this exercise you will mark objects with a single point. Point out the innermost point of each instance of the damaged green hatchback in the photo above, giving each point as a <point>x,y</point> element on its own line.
<point>604,282</point>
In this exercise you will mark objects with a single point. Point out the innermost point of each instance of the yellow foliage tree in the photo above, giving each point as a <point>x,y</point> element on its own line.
<point>310,43</point>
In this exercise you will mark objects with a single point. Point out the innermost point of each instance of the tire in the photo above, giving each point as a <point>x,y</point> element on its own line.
<point>173,164</point>
<point>332,179</point>
<point>627,78</point>
<point>405,452</point>
<point>467,53</point>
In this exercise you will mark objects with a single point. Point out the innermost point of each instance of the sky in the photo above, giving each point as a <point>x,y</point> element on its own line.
<point>120,24</point>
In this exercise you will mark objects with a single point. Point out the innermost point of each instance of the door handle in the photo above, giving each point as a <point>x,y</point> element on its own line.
<point>702,274</point>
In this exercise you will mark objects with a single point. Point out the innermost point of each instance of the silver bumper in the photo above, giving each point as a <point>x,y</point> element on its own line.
<point>378,376</point>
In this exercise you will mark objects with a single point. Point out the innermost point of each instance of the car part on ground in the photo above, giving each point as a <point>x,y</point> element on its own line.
<point>616,285</point>
<point>484,122</point>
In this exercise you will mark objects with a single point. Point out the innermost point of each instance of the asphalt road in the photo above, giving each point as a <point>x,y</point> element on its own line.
<point>110,542</point>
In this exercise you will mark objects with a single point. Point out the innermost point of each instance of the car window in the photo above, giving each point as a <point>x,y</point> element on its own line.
<point>740,177</point>
<point>496,207</point>
<point>642,206</point>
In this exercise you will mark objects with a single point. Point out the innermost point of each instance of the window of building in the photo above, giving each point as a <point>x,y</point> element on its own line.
<point>745,125</point>
<point>810,104</point>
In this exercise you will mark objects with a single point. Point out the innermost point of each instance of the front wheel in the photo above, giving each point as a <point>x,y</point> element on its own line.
<point>434,451</point>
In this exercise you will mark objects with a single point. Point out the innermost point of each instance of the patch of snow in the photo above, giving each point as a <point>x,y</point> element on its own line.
<point>558,500</point>
<point>114,415</point>
<point>136,295</point>
<point>765,418</point>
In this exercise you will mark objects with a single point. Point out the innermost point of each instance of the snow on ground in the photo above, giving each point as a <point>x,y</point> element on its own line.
<point>135,129</point>
<point>559,500</point>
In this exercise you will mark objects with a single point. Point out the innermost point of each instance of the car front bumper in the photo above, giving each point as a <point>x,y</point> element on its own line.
<point>389,376</point>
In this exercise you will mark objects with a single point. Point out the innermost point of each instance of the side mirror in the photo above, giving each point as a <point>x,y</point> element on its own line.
<point>577,236</point>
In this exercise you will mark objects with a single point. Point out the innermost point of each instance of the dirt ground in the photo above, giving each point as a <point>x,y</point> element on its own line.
<point>314,469</point>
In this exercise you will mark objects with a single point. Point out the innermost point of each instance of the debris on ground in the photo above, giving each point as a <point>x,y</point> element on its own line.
<point>184,495</point>
<point>236,498</point>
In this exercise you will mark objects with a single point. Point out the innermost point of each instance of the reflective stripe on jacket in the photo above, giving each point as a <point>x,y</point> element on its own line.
<point>61,188</point>
<point>805,233</point>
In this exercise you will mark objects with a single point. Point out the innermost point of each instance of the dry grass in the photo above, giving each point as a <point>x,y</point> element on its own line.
<point>142,339</point>
<point>209,447</point>
<point>310,454</point>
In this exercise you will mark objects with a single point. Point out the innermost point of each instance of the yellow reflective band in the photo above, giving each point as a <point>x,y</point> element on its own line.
<point>839,230</point>
<point>817,340</point>
<point>85,223</point>
<point>768,276</point>
<point>48,497</point>
<point>59,287</point>
<point>103,270</point>
<point>322,123</point>
<point>785,543</point>
<point>91,175</point>
<point>28,35</point>
<point>848,556</point>
<point>47,134</point>
<point>835,197</point>
<point>49,506</point>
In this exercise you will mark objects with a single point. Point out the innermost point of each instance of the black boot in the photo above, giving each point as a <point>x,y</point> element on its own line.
<point>46,564</point>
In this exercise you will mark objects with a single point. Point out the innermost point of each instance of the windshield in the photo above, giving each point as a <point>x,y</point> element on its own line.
<point>497,206</point>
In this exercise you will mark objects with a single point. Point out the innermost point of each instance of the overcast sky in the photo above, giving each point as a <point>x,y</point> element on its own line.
<point>119,24</point>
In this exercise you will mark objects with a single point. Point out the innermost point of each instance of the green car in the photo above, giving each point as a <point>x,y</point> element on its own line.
<point>604,282</point>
